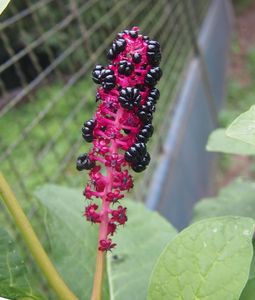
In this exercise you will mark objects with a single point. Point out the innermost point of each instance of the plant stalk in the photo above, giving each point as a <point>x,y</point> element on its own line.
<point>33,243</point>
<point>98,277</point>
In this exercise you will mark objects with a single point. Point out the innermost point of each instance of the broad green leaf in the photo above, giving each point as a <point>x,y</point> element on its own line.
<point>243,127</point>
<point>236,199</point>
<point>139,244</point>
<point>14,279</point>
<point>208,260</point>
<point>3,5</point>
<point>249,291</point>
<point>220,142</point>
<point>73,240</point>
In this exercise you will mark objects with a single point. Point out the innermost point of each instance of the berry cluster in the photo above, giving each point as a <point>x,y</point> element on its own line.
<point>121,128</point>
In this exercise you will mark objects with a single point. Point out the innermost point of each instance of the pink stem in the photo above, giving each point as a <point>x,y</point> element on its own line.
<point>113,148</point>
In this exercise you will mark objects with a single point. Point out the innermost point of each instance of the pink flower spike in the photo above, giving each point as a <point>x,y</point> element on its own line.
<point>120,128</point>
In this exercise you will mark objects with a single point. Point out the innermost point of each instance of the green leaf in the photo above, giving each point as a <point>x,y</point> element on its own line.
<point>139,244</point>
<point>14,281</point>
<point>220,142</point>
<point>73,240</point>
<point>243,127</point>
<point>3,5</point>
<point>236,199</point>
<point>208,260</point>
<point>249,290</point>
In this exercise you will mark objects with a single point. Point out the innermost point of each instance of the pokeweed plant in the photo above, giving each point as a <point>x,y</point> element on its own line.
<point>119,132</point>
<point>211,259</point>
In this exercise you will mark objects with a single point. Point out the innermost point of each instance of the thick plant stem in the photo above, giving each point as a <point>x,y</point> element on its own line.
<point>100,260</point>
<point>33,243</point>
<point>98,277</point>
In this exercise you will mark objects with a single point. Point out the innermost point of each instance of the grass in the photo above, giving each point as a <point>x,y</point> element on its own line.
<point>31,158</point>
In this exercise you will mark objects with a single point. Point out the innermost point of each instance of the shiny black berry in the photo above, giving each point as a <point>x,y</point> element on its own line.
<point>84,162</point>
<point>87,130</point>
<point>153,76</point>
<point>133,34</point>
<point>135,153</point>
<point>117,47</point>
<point>129,98</point>
<point>107,79</point>
<point>153,95</point>
<point>96,73</point>
<point>145,113</point>
<point>145,133</point>
<point>146,38</point>
<point>141,165</point>
<point>125,67</point>
<point>153,53</point>
<point>136,58</point>
<point>97,97</point>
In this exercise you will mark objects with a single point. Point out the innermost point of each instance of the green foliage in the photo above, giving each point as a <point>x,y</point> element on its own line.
<point>249,290</point>
<point>208,260</point>
<point>73,240</point>
<point>220,142</point>
<point>14,278</point>
<point>140,243</point>
<point>240,98</point>
<point>243,127</point>
<point>237,199</point>
<point>55,126</point>
<point>211,258</point>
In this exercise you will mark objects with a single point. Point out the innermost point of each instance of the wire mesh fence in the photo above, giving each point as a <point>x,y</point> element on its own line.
<point>47,51</point>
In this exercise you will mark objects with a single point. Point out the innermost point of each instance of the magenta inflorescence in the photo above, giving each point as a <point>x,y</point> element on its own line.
<point>120,129</point>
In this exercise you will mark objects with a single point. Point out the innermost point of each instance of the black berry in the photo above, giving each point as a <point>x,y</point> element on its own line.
<point>153,95</point>
<point>145,113</point>
<point>84,162</point>
<point>97,97</point>
<point>125,67</point>
<point>96,73</point>
<point>129,97</point>
<point>136,58</point>
<point>135,153</point>
<point>107,79</point>
<point>87,130</point>
<point>145,133</point>
<point>133,34</point>
<point>141,165</point>
<point>153,76</point>
<point>146,38</point>
<point>153,53</point>
<point>117,47</point>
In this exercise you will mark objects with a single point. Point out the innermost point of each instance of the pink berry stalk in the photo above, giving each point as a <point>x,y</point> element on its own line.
<point>120,129</point>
